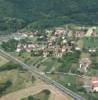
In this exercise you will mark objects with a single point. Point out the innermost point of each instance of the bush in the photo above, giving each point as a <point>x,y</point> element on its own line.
<point>31,98</point>
<point>4,86</point>
<point>10,66</point>
<point>10,46</point>
<point>47,92</point>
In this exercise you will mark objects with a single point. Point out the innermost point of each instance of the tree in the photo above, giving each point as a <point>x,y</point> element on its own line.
<point>31,98</point>
<point>10,46</point>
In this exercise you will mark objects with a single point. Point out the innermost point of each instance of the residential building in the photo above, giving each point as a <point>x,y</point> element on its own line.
<point>94,84</point>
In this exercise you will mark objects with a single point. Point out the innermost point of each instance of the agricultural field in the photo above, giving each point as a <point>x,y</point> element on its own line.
<point>49,64</point>
<point>93,69</point>
<point>27,58</point>
<point>39,91</point>
<point>74,83</point>
<point>90,42</point>
<point>3,60</point>
<point>13,78</point>
<point>69,62</point>
<point>69,81</point>
<point>19,79</point>
<point>43,95</point>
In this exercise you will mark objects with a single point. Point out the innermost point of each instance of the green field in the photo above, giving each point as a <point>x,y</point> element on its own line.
<point>90,42</point>
<point>49,65</point>
<point>75,84</point>
<point>43,64</point>
<point>27,58</point>
<point>17,77</point>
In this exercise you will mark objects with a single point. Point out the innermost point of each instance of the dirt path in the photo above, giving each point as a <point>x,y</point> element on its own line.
<point>55,94</point>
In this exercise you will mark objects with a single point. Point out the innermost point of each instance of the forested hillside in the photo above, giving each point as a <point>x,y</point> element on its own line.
<point>17,14</point>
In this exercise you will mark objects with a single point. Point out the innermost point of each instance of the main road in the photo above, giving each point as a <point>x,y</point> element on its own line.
<point>43,77</point>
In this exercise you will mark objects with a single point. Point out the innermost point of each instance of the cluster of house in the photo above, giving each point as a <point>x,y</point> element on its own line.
<point>69,33</point>
<point>53,49</point>
<point>26,47</point>
<point>48,48</point>
<point>51,43</point>
<point>65,45</point>
<point>22,35</point>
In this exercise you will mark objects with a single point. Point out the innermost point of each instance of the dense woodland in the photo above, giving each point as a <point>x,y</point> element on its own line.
<point>18,14</point>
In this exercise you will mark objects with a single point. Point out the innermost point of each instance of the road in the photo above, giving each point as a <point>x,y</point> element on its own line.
<point>43,77</point>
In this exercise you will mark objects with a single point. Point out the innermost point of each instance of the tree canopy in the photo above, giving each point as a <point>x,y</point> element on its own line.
<point>17,14</point>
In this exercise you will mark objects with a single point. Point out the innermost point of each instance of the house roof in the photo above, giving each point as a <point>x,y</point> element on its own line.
<point>94,82</point>
<point>95,85</point>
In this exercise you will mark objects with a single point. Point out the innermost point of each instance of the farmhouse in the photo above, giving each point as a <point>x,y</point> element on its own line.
<point>18,36</point>
<point>92,50</point>
<point>84,64</point>
<point>27,47</point>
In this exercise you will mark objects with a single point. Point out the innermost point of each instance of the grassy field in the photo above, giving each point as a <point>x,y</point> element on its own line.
<point>27,58</point>
<point>49,65</point>
<point>65,79</point>
<point>90,42</point>
<point>19,79</point>
<point>75,84</point>
<point>13,72</point>
<point>84,55</point>
<point>72,82</point>
<point>44,95</point>
<point>3,60</point>
<point>43,64</point>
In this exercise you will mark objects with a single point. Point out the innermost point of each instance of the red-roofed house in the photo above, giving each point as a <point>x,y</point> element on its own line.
<point>94,83</point>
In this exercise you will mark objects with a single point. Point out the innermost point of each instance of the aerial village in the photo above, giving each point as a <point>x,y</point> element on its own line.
<point>58,42</point>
